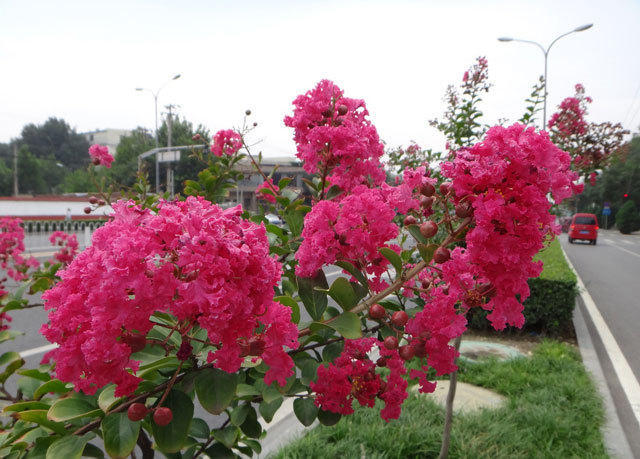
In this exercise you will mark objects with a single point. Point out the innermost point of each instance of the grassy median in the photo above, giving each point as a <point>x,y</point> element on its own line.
<point>553,410</point>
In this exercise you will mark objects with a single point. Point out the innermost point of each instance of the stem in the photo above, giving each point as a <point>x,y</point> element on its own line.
<point>448,420</point>
<point>145,445</point>
<point>255,164</point>
<point>399,282</point>
<point>170,385</point>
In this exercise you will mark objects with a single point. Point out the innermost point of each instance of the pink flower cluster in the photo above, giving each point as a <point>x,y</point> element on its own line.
<point>204,265</point>
<point>569,119</point>
<point>100,155</point>
<point>506,178</point>
<point>335,139</point>
<point>11,259</point>
<point>353,375</point>
<point>226,142</point>
<point>68,244</point>
<point>267,196</point>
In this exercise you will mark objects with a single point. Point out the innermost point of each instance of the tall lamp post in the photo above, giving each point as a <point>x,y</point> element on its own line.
<point>155,100</point>
<point>546,55</point>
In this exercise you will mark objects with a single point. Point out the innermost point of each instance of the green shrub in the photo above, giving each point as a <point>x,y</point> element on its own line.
<point>549,308</point>
<point>628,218</point>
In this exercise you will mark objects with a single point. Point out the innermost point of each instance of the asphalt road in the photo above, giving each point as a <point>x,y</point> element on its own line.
<point>610,272</point>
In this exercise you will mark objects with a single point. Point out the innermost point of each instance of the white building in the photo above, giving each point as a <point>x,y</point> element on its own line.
<point>108,137</point>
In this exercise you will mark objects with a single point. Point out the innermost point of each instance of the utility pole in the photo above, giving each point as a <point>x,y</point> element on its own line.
<point>170,187</point>
<point>15,169</point>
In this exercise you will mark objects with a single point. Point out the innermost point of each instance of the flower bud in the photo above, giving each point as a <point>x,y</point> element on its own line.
<point>327,113</point>
<point>342,110</point>
<point>429,229</point>
<point>137,412</point>
<point>391,342</point>
<point>427,189</point>
<point>93,200</point>
<point>162,416</point>
<point>406,352</point>
<point>464,210</point>
<point>445,188</point>
<point>399,318</point>
<point>426,201</point>
<point>248,112</point>
<point>409,220</point>
<point>441,255</point>
<point>87,210</point>
<point>376,311</point>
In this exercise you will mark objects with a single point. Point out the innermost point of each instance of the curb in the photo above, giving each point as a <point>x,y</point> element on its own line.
<point>614,437</point>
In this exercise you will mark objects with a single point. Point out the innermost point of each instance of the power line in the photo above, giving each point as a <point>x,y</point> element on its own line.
<point>631,106</point>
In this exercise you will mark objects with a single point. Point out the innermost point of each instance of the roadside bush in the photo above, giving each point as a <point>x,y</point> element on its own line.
<point>628,218</point>
<point>549,308</point>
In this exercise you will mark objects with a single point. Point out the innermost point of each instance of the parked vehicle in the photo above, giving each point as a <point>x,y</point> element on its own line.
<point>584,227</point>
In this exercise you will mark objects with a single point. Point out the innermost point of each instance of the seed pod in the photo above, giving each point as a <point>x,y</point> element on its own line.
<point>137,412</point>
<point>441,255</point>
<point>162,416</point>
<point>429,229</point>
<point>376,311</point>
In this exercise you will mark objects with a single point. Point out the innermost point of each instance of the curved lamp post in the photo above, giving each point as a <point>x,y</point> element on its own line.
<point>546,55</point>
<point>155,100</point>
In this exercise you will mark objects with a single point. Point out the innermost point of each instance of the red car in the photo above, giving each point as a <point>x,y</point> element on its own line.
<point>585,227</point>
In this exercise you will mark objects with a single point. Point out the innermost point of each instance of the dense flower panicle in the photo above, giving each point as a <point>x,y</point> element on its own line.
<point>335,139</point>
<point>204,265</point>
<point>4,318</point>
<point>569,120</point>
<point>352,376</point>
<point>100,155</point>
<point>267,196</point>
<point>68,244</point>
<point>351,230</point>
<point>506,178</point>
<point>12,248</point>
<point>226,142</point>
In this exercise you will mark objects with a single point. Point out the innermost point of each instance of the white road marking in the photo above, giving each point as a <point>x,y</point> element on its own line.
<point>628,251</point>
<point>37,350</point>
<point>621,366</point>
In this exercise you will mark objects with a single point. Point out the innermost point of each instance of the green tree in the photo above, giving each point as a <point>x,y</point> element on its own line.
<point>56,139</point>
<point>628,218</point>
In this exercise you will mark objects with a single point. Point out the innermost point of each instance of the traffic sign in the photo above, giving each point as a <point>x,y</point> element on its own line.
<point>606,211</point>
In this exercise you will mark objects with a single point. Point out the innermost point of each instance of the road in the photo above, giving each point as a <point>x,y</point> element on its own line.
<point>610,272</point>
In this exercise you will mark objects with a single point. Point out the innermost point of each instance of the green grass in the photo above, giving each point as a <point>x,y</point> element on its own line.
<point>553,410</point>
<point>555,265</point>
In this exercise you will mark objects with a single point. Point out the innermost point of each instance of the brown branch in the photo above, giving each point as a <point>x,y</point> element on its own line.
<point>399,282</point>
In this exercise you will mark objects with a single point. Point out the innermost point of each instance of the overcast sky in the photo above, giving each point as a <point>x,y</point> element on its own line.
<point>81,60</point>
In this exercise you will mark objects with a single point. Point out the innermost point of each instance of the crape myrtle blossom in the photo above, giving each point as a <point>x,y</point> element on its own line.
<point>204,265</point>
<point>68,244</point>
<point>226,142</point>
<point>335,139</point>
<point>267,196</point>
<point>352,375</point>
<point>506,178</point>
<point>100,155</point>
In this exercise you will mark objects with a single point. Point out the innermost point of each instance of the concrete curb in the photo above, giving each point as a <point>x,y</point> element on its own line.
<point>614,436</point>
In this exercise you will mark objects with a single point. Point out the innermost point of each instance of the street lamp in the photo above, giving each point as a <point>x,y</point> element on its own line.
<point>546,55</point>
<point>155,100</point>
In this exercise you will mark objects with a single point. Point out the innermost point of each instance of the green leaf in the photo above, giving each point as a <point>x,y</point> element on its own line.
<point>315,302</point>
<point>393,258</point>
<point>92,451</point>
<point>13,305</point>
<point>171,437</point>
<point>342,291</point>
<point>239,414</point>
<point>332,351</point>
<point>254,445</point>
<point>295,220</point>
<point>291,303</point>
<point>69,447</point>
<point>245,390</point>
<point>40,417</point>
<point>268,409</point>
<point>354,272</point>
<point>40,285</point>
<point>120,434</point>
<point>284,182</point>
<point>71,408</point>
<point>28,386</point>
<point>215,389</point>
<point>199,428</point>
<point>107,398</point>
<point>270,393</point>
<point>55,385</point>
<point>219,451</point>
<point>415,232</point>
<point>23,406</point>
<point>347,324</point>
<point>39,450</point>
<point>226,436</point>
<point>328,418</point>
<point>12,361</point>
<point>36,374</point>
<point>305,410</point>
<point>251,427</point>
<point>427,251</point>
<point>6,335</point>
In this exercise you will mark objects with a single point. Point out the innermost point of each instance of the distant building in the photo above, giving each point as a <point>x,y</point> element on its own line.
<point>108,137</point>
<point>286,166</point>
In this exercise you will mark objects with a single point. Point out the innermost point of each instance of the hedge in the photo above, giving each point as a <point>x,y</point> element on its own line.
<point>549,309</point>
